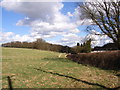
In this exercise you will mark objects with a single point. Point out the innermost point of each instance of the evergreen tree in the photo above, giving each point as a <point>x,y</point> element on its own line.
<point>78,44</point>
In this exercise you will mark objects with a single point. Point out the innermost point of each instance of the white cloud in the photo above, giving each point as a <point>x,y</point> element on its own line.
<point>78,17</point>
<point>22,38</point>
<point>98,40</point>
<point>46,21</point>
<point>5,36</point>
<point>10,36</point>
<point>69,14</point>
<point>44,11</point>
<point>69,39</point>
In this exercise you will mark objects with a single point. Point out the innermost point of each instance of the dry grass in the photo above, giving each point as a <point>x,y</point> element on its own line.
<point>54,72</point>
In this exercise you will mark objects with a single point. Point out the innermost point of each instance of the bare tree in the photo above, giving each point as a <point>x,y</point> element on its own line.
<point>106,15</point>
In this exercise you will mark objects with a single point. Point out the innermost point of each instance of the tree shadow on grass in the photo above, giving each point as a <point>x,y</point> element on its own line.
<point>57,59</point>
<point>79,80</point>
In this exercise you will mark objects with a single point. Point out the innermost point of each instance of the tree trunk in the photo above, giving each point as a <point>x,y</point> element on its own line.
<point>119,45</point>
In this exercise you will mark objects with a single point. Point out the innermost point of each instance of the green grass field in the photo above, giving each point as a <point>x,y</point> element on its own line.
<point>29,68</point>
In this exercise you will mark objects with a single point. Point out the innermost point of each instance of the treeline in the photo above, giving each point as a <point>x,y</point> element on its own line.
<point>83,48</point>
<point>107,47</point>
<point>39,44</point>
<point>43,45</point>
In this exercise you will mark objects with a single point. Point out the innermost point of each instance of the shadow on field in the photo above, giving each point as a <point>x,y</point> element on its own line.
<point>57,59</point>
<point>79,80</point>
<point>10,83</point>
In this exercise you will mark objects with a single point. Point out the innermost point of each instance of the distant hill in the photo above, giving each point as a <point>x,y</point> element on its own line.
<point>108,46</point>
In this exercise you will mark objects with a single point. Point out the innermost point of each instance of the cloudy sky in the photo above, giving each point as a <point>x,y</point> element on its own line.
<point>55,22</point>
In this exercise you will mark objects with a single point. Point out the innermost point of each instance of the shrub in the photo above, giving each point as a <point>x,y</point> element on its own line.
<point>104,60</point>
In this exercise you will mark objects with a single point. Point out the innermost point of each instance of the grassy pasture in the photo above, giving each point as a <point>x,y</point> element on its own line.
<point>29,68</point>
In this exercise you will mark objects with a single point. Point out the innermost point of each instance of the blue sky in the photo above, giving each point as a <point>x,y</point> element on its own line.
<point>57,22</point>
<point>68,7</point>
<point>10,18</point>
